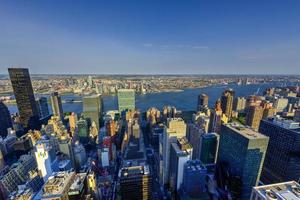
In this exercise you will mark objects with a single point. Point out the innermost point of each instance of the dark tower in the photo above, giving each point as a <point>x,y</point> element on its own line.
<point>21,83</point>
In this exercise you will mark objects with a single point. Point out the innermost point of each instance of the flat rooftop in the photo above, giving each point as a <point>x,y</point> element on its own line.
<point>135,171</point>
<point>56,184</point>
<point>245,131</point>
<point>78,183</point>
<point>281,191</point>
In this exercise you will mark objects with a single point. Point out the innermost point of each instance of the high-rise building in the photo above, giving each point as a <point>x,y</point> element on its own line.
<point>5,119</point>
<point>202,102</point>
<point>126,99</point>
<point>202,120</point>
<point>180,153</point>
<point>21,83</point>
<point>153,116</point>
<point>43,159</point>
<point>194,175</point>
<point>243,151</point>
<point>56,104</point>
<point>73,121</point>
<point>297,115</point>
<point>175,128</point>
<point>209,145</point>
<point>216,118</point>
<point>281,104</point>
<point>239,104</point>
<point>254,116</point>
<point>42,105</point>
<point>168,112</point>
<point>93,108</point>
<point>194,134</point>
<point>58,185</point>
<point>92,185</point>
<point>269,112</point>
<point>79,155</point>
<point>282,163</point>
<point>90,81</point>
<point>227,102</point>
<point>2,162</point>
<point>135,183</point>
<point>110,128</point>
<point>78,189</point>
<point>66,147</point>
<point>83,130</point>
<point>286,190</point>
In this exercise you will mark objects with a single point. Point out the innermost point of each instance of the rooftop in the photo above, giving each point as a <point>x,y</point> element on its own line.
<point>195,165</point>
<point>245,131</point>
<point>56,184</point>
<point>178,151</point>
<point>78,183</point>
<point>285,123</point>
<point>135,171</point>
<point>281,191</point>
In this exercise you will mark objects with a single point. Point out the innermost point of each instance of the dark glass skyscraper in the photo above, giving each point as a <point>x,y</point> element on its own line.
<point>242,151</point>
<point>209,144</point>
<point>282,161</point>
<point>5,119</point>
<point>21,83</point>
<point>42,105</point>
<point>135,183</point>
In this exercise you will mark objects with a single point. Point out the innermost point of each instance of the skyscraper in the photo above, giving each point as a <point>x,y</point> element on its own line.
<point>216,118</point>
<point>43,160</point>
<point>227,102</point>
<point>175,128</point>
<point>126,99</point>
<point>202,101</point>
<point>72,121</point>
<point>181,152</point>
<point>42,105</point>
<point>239,104</point>
<point>66,147</point>
<point>5,119</point>
<point>194,134</point>
<point>282,161</point>
<point>56,105</point>
<point>93,108</point>
<point>83,130</point>
<point>21,83</point>
<point>253,117</point>
<point>135,183</point>
<point>110,128</point>
<point>209,145</point>
<point>194,175</point>
<point>243,151</point>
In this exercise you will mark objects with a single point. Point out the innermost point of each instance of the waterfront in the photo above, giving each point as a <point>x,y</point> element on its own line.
<point>185,100</point>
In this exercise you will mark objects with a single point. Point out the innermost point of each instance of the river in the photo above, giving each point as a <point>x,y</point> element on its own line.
<point>185,100</point>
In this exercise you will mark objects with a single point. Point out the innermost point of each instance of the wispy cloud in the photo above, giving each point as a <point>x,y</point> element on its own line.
<point>182,46</point>
<point>256,56</point>
<point>147,45</point>
<point>199,47</point>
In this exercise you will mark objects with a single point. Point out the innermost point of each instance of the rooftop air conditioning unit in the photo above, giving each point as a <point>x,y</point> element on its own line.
<point>296,191</point>
<point>271,195</point>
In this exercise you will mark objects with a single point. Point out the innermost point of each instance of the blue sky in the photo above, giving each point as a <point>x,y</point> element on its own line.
<point>151,37</point>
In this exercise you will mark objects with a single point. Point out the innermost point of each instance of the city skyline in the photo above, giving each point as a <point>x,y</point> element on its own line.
<point>150,38</point>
